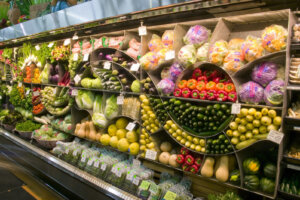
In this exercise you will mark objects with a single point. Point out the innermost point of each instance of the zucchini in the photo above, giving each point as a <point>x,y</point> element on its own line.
<point>245,143</point>
<point>260,136</point>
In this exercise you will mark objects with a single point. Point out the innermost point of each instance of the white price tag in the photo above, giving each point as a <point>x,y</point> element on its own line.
<point>120,100</point>
<point>114,169</point>
<point>27,92</point>
<point>37,47</point>
<point>103,167</point>
<point>75,57</point>
<point>129,176</point>
<point>90,162</point>
<point>67,42</point>
<point>96,164</point>
<point>86,57</point>
<point>50,44</point>
<point>170,55</point>
<point>150,154</point>
<point>107,65</point>
<point>19,84</point>
<point>74,92</point>
<point>136,162</point>
<point>275,136</point>
<point>142,30</point>
<point>135,67</point>
<point>75,37</point>
<point>130,126</point>
<point>36,93</point>
<point>136,181</point>
<point>83,158</point>
<point>77,78</point>
<point>236,108</point>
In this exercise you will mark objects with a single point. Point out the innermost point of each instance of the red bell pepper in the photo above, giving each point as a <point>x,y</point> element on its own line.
<point>229,87</point>
<point>210,85</point>
<point>211,95</point>
<point>197,73</point>
<point>186,93</point>
<point>202,78</point>
<point>216,80</point>
<point>220,86</point>
<point>182,84</point>
<point>194,169</point>
<point>191,84</point>
<point>195,94</point>
<point>177,92</point>
<point>180,159</point>
<point>185,167</point>
<point>184,151</point>
<point>222,95</point>
<point>200,86</point>
<point>211,74</point>
<point>198,161</point>
<point>232,96</point>
<point>203,95</point>
<point>189,160</point>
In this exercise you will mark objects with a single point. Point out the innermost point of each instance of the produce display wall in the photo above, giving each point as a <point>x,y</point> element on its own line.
<point>125,71</point>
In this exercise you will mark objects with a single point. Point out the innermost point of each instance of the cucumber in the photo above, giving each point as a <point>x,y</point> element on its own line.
<point>245,143</point>
<point>260,136</point>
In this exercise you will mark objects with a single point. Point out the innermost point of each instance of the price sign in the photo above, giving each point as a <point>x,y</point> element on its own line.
<point>129,176</point>
<point>130,126</point>
<point>50,44</point>
<point>135,67</point>
<point>90,162</point>
<point>170,196</point>
<point>275,136</point>
<point>120,100</point>
<point>236,108</point>
<point>37,47</point>
<point>67,42</point>
<point>74,92</point>
<point>77,78</point>
<point>86,57</point>
<point>36,93</point>
<point>27,92</point>
<point>170,55</point>
<point>136,180</point>
<point>19,84</point>
<point>153,188</point>
<point>142,30</point>
<point>150,154</point>
<point>107,65</point>
<point>144,185</point>
<point>136,162</point>
<point>103,167</point>
<point>96,164</point>
<point>75,37</point>
<point>75,57</point>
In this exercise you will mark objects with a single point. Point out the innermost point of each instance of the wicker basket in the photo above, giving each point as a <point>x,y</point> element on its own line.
<point>24,134</point>
<point>8,127</point>
<point>49,144</point>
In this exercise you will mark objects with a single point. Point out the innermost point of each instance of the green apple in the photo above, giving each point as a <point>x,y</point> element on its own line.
<point>277,121</point>
<point>256,123</point>
<point>263,129</point>
<point>255,131</point>
<point>257,115</point>
<point>233,125</point>
<point>242,129</point>
<point>265,120</point>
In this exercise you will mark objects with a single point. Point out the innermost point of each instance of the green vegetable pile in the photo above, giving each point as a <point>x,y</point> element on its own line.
<point>229,195</point>
<point>12,118</point>
<point>43,53</point>
<point>7,53</point>
<point>73,64</point>
<point>19,99</point>
<point>27,126</point>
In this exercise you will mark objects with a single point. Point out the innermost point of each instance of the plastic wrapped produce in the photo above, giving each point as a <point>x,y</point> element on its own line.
<point>235,44</point>
<point>202,52</point>
<point>251,92</point>
<point>149,61</point>
<point>264,73</point>
<point>168,39</point>
<point>233,61</point>
<point>161,54</point>
<point>175,71</point>
<point>197,35</point>
<point>273,94</point>
<point>252,48</point>
<point>166,86</point>
<point>274,38</point>
<point>155,44</point>
<point>165,73</point>
<point>218,52</point>
<point>187,55</point>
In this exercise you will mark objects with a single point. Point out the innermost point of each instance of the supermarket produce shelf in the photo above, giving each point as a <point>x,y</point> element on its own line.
<point>291,160</point>
<point>293,124</point>
<point>288,196</point>
<point>82,184</point>
<point>293,87</point>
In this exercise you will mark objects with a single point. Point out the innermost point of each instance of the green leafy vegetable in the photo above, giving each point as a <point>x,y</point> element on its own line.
<point>111,108</point>
<point>27,126</point>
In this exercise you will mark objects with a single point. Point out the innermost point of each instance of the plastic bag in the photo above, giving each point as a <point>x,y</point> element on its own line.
<point>187,55</point>
<point>233,61</point>
<point>264,73</point>
<point>202,52</point>
<point>168,39</point>
<point>218,52</point>
<point>197,35</point>
<point>274,38</point>
<point>166,86</point>
<point>149,61</point>
<point>252,48</point>
<point>235,44</point>
<point>251,92</point>
<point>155,43</point>
<point>273,94</point>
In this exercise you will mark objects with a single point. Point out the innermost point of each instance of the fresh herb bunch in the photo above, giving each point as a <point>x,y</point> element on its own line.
<point>20,98</point>
<point>15,97</point>
<point>7,53</point>
<point>27,126</point>
<point>24,52</point>
<point>43,53</point>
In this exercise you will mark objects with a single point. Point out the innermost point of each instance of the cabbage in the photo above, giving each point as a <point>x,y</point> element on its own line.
<point>273,94</point>
<point>264,73</point>
<point>111,108</point>
<point>166,86</point>
<point>45,73</point>
<point>99,120</point>
<point>96,83</point>
<point>251,92</point>
<point>86,82</point>
<point>187,55</point>
<point>196,35</point>
<point>135,86</point>
<point>79,100</point>
<point>97,107</point>
<point>202,52</point>
<point>87,99</point>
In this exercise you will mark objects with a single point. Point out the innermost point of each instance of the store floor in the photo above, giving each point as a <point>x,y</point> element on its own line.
<point>18,184</point>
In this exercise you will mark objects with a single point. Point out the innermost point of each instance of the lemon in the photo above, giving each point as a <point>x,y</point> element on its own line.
<point>277,121</point>
<point>257,115</point>
<point>202,142</point>
<point>112,129</point>
<point>272,113</point>
<point>255,131</point>
<point>123,145</point>
<point>121,123</point>
<point>264,111</point>
<point>229,133</point>
<point>105,139</point>
<point>198,148</point>
<point>114,141</point>
<point>234,140</point>
<point>132,136</point>
<point>244,112</point>
<point>193,146</point>
<point>265,120</point>
<point>196,140</point>
<point>134,148</point>
<point>252,111</point>
<point>121,133</point>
